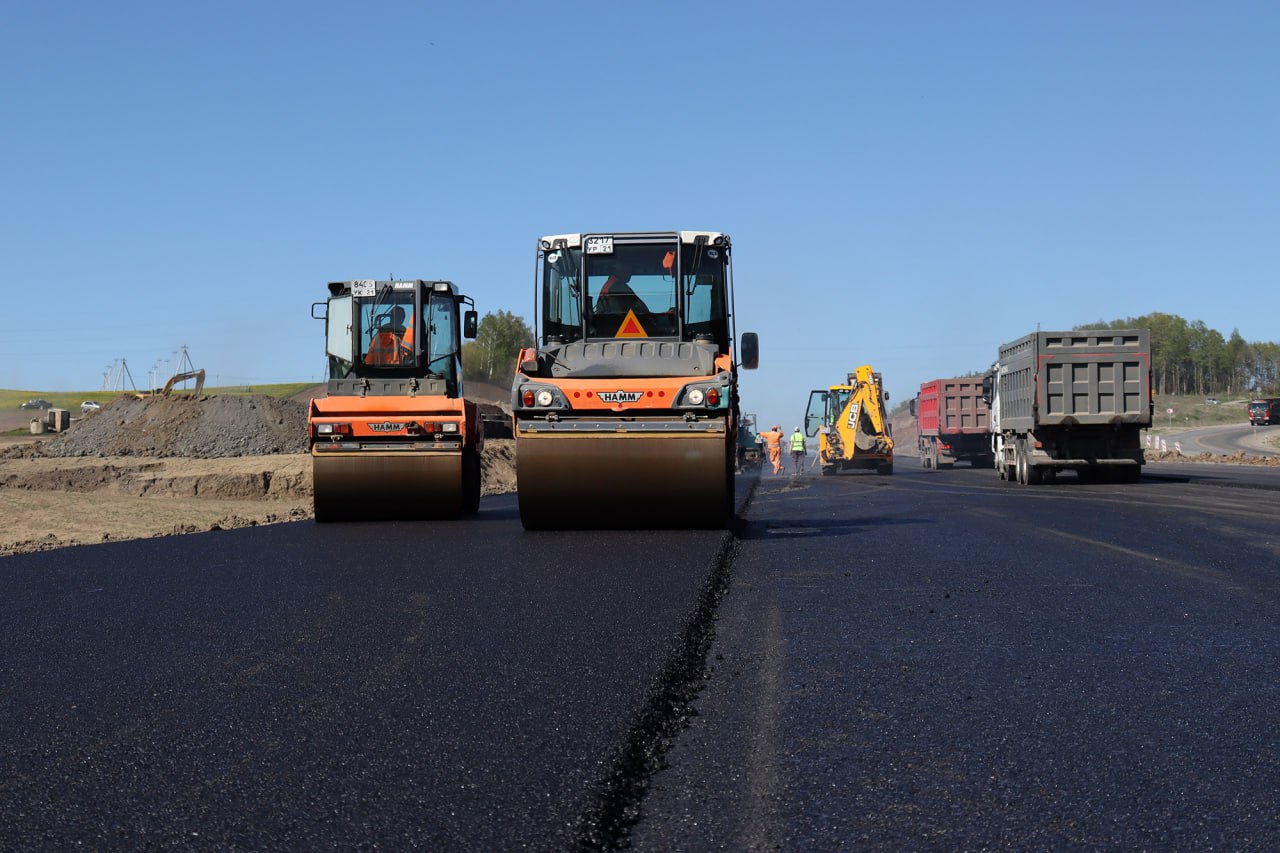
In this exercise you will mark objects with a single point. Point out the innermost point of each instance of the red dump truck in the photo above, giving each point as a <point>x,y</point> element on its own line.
<point>953,423</point>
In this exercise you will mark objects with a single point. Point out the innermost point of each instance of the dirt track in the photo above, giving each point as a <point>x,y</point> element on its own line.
<point>139,469</point>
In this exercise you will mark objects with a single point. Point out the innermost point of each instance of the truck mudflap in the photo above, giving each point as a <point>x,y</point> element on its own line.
<point>623,474</point>
<point>403,484</point>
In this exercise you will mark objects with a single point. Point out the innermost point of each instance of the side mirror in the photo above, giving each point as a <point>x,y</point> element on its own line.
<point>886,396</point>
<point>749,358</point>
<point>986,389</point>
<point>470,324</point>
<point>911,407</point>
<point>322,315</point>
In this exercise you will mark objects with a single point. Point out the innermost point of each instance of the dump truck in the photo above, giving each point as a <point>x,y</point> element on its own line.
<point>625,412</point>
<point>1264,411</point>
<point>851,424</point>
<point>1071,401</point>
<point>952,423</point>
<point>394,437</point>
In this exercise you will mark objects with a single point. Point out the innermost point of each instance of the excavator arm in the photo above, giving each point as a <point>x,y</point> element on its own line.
<point>856,432</point>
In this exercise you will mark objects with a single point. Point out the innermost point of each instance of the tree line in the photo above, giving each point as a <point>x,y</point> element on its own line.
<point>491,357</point>
<point>1190,358</point>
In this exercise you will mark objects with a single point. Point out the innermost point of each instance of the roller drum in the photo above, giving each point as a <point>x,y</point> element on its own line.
<point>624,481</point>
<point>376,486</point>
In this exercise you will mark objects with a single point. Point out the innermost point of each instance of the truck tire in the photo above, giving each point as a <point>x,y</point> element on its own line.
<point>1028,474</point>
<point>1020,463</point>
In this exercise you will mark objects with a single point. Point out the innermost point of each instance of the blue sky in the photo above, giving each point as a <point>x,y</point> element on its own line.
<point>907,185</point>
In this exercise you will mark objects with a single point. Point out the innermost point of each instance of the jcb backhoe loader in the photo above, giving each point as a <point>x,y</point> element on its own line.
<point>626,413</point>
<point>394,437</point>
<point>851,424</point>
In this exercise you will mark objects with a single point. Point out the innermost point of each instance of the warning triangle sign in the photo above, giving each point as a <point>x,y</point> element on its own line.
<point>631,327</point>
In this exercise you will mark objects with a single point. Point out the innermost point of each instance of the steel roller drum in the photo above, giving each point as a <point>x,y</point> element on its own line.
<point>623,481</point>
<point>374,486</point>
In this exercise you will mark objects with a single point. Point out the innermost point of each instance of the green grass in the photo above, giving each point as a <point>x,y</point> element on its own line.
<point>11,399</point>
<point>1194,412</point>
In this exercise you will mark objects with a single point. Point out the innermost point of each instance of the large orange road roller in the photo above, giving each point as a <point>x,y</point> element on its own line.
<point>394,437</point>
<point>626,412</point>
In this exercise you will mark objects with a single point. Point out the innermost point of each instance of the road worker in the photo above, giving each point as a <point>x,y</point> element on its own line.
<point>797,452</point>
<point>773,441</point>
<point>387,346</point>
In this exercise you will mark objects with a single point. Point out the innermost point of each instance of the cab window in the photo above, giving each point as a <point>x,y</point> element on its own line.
<point>631,293</point>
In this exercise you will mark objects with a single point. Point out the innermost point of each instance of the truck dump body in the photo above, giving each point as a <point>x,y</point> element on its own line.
<point>953,407</point>
<point>953,421</point>
<point>1089,378</point>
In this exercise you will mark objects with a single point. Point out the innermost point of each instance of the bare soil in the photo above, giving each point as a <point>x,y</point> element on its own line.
<point>144,468</point>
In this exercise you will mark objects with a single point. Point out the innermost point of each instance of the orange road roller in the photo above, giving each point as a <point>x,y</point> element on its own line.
<point>626,412</point>
<point>394,436</point>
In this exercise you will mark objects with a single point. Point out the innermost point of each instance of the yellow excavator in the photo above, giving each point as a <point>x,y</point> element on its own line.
<point>851,424</point>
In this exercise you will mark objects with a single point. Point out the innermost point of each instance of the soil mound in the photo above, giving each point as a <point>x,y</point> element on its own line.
<point>203,428</point>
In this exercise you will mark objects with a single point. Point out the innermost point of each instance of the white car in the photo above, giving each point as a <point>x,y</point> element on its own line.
<point>89,407</point>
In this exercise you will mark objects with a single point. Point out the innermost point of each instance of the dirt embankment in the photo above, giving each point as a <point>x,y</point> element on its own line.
<point>143,468</point>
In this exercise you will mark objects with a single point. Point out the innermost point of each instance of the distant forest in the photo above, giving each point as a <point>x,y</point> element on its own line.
<point>1191,358</point>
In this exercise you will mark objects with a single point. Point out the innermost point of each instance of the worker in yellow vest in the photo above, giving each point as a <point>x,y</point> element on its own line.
<point>797,452</point>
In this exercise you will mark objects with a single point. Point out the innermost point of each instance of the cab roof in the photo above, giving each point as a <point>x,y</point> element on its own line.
<point>337,288</point>
<point>574,241</point>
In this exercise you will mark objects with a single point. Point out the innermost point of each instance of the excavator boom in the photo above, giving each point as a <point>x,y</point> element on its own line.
<point>851,424</point>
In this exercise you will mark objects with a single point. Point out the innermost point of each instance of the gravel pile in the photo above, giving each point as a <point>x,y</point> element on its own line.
<point>204,428</point>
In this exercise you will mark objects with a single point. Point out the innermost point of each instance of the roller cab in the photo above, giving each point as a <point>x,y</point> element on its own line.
<point>394,436</point>
<point>626,413</point>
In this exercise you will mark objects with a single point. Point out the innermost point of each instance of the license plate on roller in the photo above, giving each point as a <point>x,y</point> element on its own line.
<point>599,245</point>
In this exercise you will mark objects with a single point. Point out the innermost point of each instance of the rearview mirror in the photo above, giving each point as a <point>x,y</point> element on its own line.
<point>470,323</point>
<point>749,359</point>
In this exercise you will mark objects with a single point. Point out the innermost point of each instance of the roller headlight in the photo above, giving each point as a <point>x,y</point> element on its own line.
<point>544,398</point>
<point>694,397</point>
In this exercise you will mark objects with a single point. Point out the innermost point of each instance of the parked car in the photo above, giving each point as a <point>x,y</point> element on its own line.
<point>1212,401</point>
<point>36,404</point>
<point>89,407</point>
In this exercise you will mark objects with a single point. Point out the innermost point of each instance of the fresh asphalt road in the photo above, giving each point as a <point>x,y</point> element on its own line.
<point>938,659</point>
<point>302,686</point>
<point>934,659</point>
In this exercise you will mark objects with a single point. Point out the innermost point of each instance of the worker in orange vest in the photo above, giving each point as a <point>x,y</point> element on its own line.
<point>773,440</point>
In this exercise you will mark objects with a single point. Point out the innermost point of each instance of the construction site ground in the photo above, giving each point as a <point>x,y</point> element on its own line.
<point>166,466</point>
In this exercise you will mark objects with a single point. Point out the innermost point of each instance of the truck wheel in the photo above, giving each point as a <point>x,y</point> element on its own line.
<point>1020,463</point>
<point>1035,474</point>
<point>885,468</point>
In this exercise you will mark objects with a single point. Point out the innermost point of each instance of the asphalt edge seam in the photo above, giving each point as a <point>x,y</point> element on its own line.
<point>615,808</point>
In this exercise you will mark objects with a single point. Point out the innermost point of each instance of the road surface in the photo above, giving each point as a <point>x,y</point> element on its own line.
<point>934,659</point>
<point>1228,440</point>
